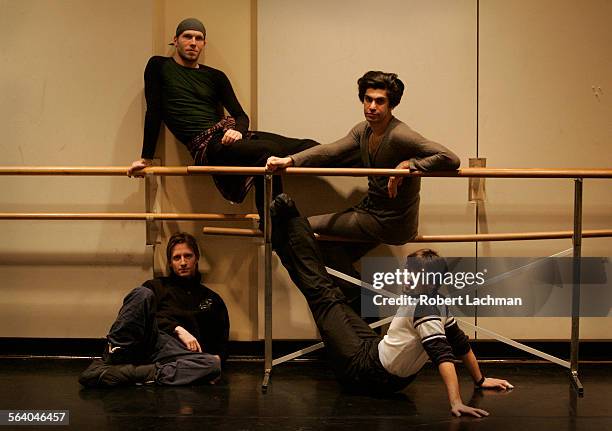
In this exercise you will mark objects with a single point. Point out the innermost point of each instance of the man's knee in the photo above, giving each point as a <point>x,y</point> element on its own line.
<point>208,362</point>
<point>199,367</point>
<point>134,325</point>
<point>139,294</point>
<point>215,362</point>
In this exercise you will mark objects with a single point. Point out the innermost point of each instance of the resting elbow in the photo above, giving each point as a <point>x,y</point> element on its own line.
<point>453,162</point>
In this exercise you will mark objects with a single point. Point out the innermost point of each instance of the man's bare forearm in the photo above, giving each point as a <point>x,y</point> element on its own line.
<point>449,376</point>
<point>471,363</point>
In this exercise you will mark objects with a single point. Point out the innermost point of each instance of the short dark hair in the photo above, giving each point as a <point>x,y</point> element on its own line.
<point>182,238</point>
<point>382,81</point>
<point>429,261</point>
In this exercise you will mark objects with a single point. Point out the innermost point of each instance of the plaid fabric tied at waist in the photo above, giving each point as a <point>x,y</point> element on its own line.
<point>199,144</point>
<point>234,188</point>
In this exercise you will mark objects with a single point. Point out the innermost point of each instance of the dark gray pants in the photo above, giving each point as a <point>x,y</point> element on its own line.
<point>135,330</point>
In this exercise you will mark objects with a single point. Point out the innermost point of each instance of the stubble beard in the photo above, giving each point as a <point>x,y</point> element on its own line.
<point>186,58</point>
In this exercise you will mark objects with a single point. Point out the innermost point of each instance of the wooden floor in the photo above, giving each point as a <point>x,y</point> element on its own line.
<point>305,396</point>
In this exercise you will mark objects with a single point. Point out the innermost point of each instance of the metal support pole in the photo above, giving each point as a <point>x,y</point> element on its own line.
<point>152,185</point>
<point>267,283</point>
<point>577,243</point>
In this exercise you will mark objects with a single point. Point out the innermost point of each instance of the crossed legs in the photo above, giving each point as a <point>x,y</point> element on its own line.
<point>138,352</point>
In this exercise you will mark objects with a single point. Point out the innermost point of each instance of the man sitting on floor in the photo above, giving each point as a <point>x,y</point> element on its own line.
<point>360,358</point>
<point>171,330</point>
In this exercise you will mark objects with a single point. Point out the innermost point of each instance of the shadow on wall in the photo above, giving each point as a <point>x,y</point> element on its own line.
<point>54,258</point>
<point>316,195</point>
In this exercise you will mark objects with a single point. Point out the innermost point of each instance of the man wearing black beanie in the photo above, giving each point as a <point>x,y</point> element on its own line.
<point>189,98</point>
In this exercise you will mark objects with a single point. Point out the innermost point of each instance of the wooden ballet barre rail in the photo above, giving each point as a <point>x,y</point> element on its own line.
<point>90,170</point>
<point>521,236</point>
<point>127,216</point>
<point>518,236</point>
<point>347,172</point>
<point>462,173</point>
<point>231,231</point>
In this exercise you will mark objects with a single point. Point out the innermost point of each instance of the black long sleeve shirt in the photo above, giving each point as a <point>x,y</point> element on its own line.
<point>187,100</point>
<point>195,307</point>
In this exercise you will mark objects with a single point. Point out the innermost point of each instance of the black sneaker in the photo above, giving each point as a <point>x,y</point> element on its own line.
<point>283,207</point>
<point>101,375</point>
<point>113,355</point>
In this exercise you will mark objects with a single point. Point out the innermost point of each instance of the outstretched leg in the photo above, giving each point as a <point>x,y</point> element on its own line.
<point>342,255</point>
<point>254,151</point>
<point>342,330</point>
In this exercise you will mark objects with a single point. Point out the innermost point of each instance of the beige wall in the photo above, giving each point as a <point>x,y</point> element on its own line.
<point>539,63</point>
<point>71,95</point>
<point>76,99</point>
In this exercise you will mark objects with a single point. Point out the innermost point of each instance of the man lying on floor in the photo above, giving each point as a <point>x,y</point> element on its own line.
<point>360,358</point>
<point>171,330</point>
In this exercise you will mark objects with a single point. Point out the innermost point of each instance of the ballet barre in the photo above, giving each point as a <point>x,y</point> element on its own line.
<point>334,172</point>
<point>129,216</point>
<point>478,237</point>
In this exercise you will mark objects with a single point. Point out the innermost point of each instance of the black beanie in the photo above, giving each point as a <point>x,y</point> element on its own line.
<point>190,24</point>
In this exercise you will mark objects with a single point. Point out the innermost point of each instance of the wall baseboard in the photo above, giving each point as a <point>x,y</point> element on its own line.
<point>590,350</point>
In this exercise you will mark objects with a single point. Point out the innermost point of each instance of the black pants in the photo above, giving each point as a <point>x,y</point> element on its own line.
<point>352,346</point>
<point>135,330</point>
<point>254,151</point>
<point>342,257</point>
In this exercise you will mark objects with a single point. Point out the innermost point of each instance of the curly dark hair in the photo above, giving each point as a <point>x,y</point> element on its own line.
<point>382,81</point>
<point>182,238</point>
